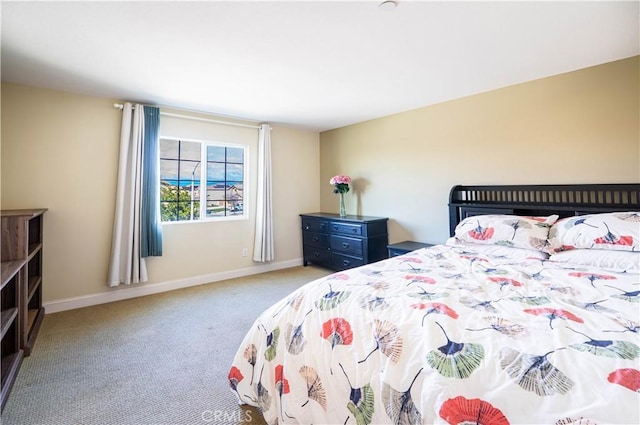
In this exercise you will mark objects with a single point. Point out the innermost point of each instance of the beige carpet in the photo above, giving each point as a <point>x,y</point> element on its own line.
<point>157,360</point>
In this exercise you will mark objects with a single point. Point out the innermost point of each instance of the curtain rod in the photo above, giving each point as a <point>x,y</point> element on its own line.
<point>121,106</point>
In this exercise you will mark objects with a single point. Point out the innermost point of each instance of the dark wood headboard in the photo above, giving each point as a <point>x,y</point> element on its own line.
<point>565,200</point>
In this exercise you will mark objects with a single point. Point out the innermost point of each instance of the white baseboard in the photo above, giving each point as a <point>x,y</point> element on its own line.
<point>126,292</point>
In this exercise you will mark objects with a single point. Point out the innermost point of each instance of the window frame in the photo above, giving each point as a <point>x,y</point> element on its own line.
<point>203,180</point>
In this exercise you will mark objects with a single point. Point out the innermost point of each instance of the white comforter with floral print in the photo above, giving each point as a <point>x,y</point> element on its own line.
<point>448,335</point>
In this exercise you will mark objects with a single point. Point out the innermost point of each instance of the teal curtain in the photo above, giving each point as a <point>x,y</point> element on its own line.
<point>151,225</point>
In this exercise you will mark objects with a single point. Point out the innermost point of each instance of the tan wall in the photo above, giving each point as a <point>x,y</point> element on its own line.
<point>60,151</point>
<point>579,127</point>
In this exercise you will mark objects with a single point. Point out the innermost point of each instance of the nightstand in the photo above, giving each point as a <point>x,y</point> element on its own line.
<point>404,247</point>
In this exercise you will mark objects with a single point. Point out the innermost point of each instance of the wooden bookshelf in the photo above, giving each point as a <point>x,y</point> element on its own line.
<point>21,310</point>
<point>11,351</point>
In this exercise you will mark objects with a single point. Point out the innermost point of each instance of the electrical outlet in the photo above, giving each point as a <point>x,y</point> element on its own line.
<point>245,252</point>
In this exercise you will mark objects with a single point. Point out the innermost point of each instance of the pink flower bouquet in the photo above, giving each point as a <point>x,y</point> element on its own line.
<point>340,183</point>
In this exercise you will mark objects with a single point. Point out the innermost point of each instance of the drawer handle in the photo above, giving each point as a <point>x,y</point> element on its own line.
<point>345,245</point>
<point>316,254</point>
<point>335,227</point>
<point>346,262</point>
<point>307,227</point>
<point>315,239</point>
<point>354,230</point>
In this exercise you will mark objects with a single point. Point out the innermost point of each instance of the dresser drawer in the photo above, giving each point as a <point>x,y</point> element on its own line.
<point>343,262</point>
<point>317,255</point>
<point>311,225</point>
<point>319,240</point>
<point>345,245</point>
<point>346,228</point>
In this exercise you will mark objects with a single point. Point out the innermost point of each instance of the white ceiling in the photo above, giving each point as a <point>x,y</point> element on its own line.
<point>316,65</point>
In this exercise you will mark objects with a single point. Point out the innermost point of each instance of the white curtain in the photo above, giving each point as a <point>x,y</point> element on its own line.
<point>127,266</point>
<point>263,245</point>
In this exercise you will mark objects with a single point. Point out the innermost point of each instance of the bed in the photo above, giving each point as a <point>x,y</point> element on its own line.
<point>528,314</point>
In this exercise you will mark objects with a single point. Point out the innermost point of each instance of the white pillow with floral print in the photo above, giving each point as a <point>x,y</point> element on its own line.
<point>618,231</point>
<point>617,261</point>
<point>499,251</point>
<point>507,230</point>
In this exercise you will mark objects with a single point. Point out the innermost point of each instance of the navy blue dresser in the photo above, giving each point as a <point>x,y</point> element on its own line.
<point>340,243</point>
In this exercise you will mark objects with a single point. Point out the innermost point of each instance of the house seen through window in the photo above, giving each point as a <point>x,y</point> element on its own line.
<point>200,180</point>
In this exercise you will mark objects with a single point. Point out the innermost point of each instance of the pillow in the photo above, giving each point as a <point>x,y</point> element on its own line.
<point>499,250</point>
<point>508,230</point>
<point>619,231</point>
<point>617,261</point>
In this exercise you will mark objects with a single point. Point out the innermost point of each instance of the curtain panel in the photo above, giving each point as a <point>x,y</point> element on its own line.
<point>151,225</point>
<point>263,245</point>
<point>137,185</point>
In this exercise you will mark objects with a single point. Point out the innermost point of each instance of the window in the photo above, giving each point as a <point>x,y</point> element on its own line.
<point>186,166</point>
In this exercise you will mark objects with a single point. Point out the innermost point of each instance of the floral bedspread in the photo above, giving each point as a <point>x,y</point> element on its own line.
<point>448,335</point>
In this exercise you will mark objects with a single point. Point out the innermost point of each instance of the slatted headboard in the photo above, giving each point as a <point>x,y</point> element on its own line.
<point>564,200</point>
